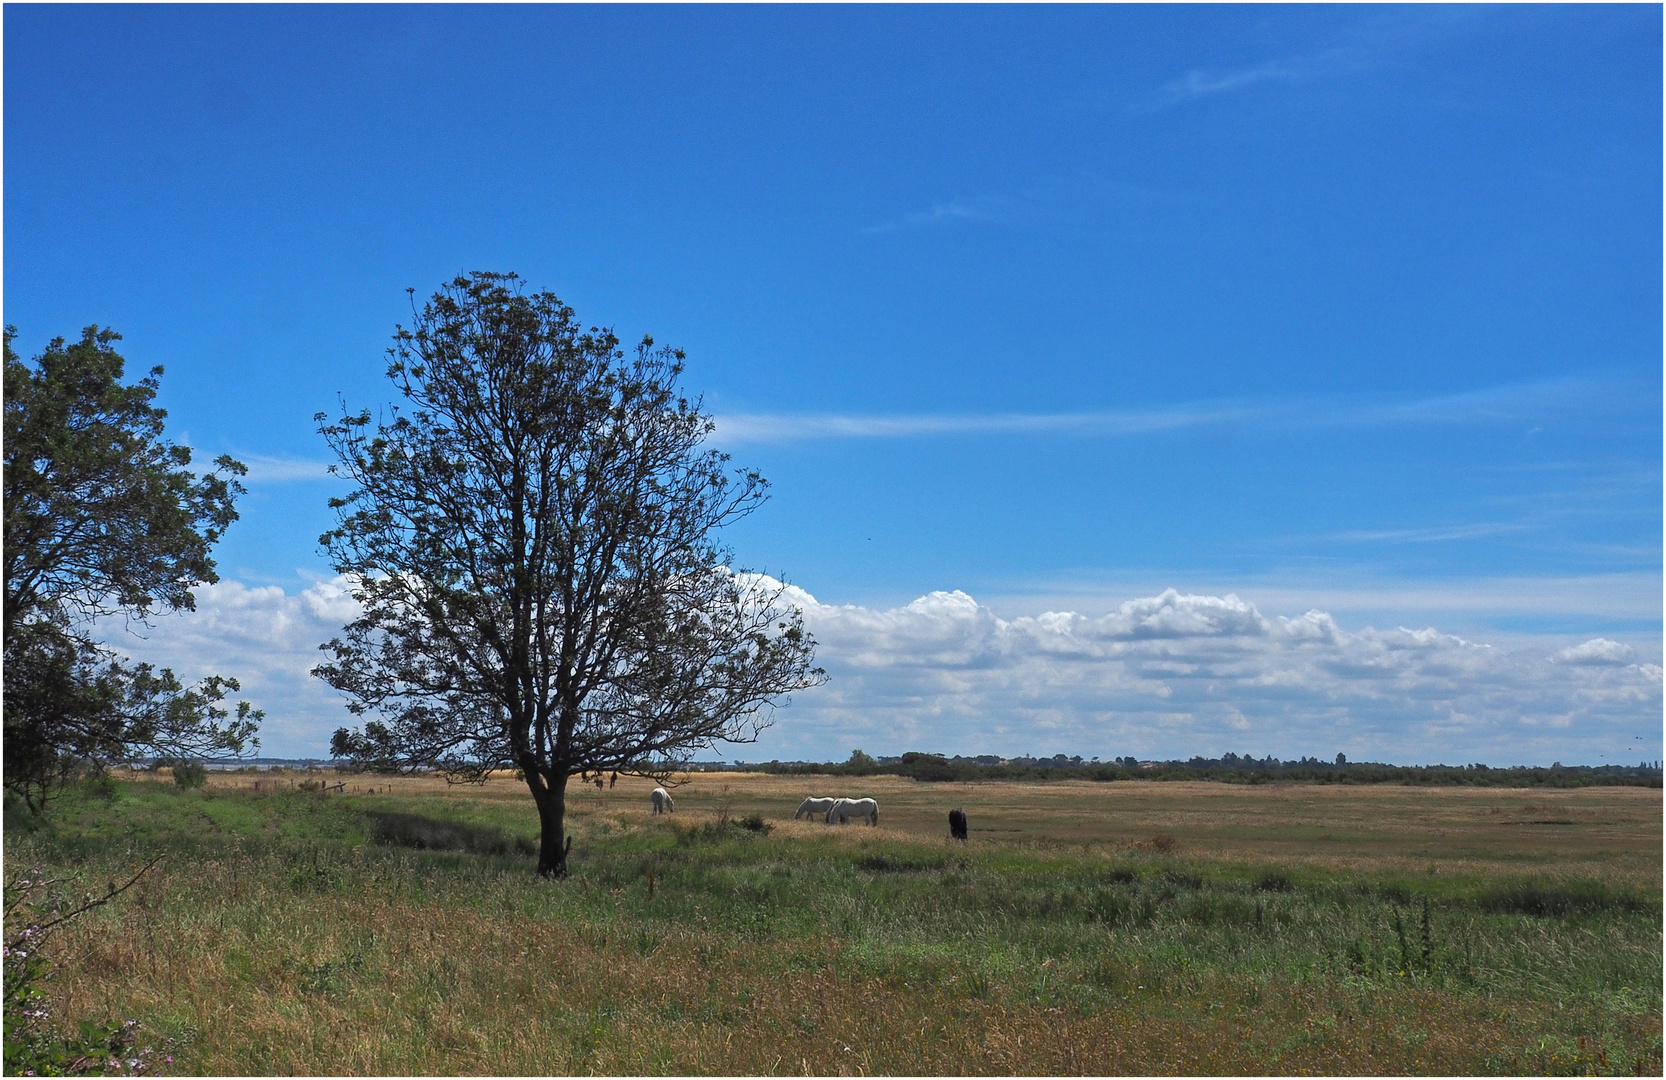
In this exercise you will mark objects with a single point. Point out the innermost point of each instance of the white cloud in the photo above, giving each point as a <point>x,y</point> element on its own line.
<point>940,213</point>
<point>1431,534</point>
<point>1597,651</point>
<point>265,638</point>
<point>1199,84</point>
<point>275,470</point>
<point>1357,48</point>
<point>1511,403</point>
<point>1165,675</point>
<point>734,428</point>
<point>1180,674</point>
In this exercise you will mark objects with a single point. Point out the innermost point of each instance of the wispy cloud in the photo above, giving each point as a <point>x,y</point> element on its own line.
<point>276,470</point>
<point>1201,83</point>
<point>980,209</point>
<point>1197,84</point>
<point>1493,405</point>
<point>1510,401</point>
<point>1431,534</point>
<point>786,427</point>
<point>1371,41</point>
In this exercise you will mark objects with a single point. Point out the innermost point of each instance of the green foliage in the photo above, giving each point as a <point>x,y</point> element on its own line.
<point>190,774</point>
<point>102,516</point>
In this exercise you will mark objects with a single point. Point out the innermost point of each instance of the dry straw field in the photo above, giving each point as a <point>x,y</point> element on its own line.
<point>395,927</point>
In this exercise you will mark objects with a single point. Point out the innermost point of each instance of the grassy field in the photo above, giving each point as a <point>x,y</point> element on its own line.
<point>1086,928</point>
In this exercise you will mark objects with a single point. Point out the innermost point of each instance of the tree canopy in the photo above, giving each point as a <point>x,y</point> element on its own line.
<point>532,538</point>
<point>103,516</point>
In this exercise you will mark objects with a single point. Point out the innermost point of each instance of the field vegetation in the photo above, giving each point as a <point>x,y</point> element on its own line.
<point>396,926</point>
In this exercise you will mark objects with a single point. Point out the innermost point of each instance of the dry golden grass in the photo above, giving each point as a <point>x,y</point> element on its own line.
<point>395,985</point>
<point>264,954</point>
<point>1593,830</point>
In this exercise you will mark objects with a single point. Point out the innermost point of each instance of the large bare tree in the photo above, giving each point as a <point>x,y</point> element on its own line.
<point>532,538</point>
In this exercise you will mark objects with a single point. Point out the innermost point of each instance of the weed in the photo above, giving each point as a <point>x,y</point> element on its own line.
<point>1273,882</point>
<point>326,978</point>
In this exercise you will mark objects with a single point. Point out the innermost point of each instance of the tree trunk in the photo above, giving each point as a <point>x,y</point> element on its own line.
<point>553,843</point>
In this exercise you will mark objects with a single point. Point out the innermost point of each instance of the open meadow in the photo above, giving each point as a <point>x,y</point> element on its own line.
<point>1133,927</point>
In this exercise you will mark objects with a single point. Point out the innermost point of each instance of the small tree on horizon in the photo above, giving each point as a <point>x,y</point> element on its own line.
<point>532,546</point>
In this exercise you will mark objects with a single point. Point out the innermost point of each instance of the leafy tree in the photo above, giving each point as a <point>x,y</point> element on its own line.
<point>103,516</point>
<point>532,543</point>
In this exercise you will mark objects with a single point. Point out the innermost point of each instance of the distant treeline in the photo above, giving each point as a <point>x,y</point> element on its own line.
<point>1229,769</point>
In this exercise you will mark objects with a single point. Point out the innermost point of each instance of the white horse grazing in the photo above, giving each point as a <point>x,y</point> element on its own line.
<point>812,806</point>
<point>845,809</point>
<point>662,801</point>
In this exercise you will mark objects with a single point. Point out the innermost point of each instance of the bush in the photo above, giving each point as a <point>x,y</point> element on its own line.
<point>423,833</point>
<point>1562,900</point>
<point>725,827</point>
<point>190,774</point>
<point>95,783</point>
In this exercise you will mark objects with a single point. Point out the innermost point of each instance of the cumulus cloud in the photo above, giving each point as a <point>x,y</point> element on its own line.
<point>1597,651</point>
<point>265,638</point>
<point>1158,676</point>
<point>1181,674</point>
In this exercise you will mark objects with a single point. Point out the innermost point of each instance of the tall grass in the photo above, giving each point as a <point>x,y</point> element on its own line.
<point>292,933</point>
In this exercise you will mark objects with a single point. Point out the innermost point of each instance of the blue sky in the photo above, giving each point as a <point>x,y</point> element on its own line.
<point>1355,309</point>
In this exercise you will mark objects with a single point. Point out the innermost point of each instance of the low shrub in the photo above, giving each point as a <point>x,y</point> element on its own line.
<point>755,823</point>
<point>1273,882</point>
<point>433,834</point>
<point>190,774</point>
<point>1561,900</point>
